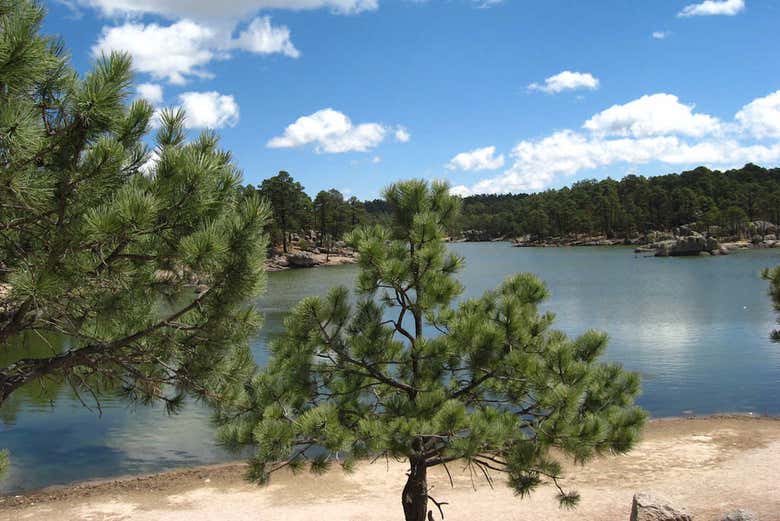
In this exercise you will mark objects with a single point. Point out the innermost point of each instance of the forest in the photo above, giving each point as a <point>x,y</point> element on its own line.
<point>723,202</point>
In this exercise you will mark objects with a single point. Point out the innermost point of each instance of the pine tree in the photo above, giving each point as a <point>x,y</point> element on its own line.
<point>146,267</point>
<point>289,203</point>
<point>401,371</point>
<point>773,276</point>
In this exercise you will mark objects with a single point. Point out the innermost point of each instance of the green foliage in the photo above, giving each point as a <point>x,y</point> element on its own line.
<point>402,370</point>
<point>773,276</point>
<point>144,266</point>
<point>331,216</point>
<point>4,463</point>
<point>722,203</point>
<point>291,207</point>
<point>631,206</point>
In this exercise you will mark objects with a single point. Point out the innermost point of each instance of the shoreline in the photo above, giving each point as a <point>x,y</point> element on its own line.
<point>681,444</point>
<point>318,260</point>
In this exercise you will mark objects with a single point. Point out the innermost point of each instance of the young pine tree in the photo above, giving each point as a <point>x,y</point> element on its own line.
<point>405,373</point>
<point>99,249</point>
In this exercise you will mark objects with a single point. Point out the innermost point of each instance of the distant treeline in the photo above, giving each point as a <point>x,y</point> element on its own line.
<point>632,206</point>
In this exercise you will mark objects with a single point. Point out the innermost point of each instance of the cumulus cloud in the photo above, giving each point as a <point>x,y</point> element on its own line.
<point>566,80</point>
<point>477,159</point>
<point>538,163</point>
<point>713,7</point>
<point>209,109</point>
<point>331,131</point>
<point>660,35</point>
<point>263,38</point>
<point>652,115</point>
<point>402,135</point>
<point>180,51</point>
<point>642,133</point>
<point>761,117</point>
<point>234,9</point>
<point>172,52</point>
<point>151,92</point>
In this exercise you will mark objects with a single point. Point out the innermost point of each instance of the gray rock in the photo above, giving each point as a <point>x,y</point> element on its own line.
<point>739,515</point>
<point>684,246</point>
<point>301,259</point>
<point>763,226</point>
<point>686,231</point>
<point>647,507</point>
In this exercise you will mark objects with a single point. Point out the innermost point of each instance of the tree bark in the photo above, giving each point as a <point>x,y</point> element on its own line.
<point>415,495</point>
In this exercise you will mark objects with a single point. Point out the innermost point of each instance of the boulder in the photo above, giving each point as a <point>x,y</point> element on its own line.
<point>693,244</point>
<point>739,515</point>
<point>301,259</point>
<point>647,507</point>
<point>685,231</point>
<point>763,226</point>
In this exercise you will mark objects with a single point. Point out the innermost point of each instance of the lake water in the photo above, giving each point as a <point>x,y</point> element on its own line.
<point>695,328</point>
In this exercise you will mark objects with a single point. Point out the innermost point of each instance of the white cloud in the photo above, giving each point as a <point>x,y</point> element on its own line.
<point>538,163</point>
<point>209,109</point>
<point>331,132</point>
<point>172,52</point>
<point>263,38</point>
<point>151,92</point>
<point>477,159</point>
<point>652,115</point>
<point>486,4</point>
<point>180,51</point>
<point>234,9</point>
<point>635,133</point>
<point>761,117</point>
<point>150,163</point>
<point>566,80</point>
<point>376,160</point>
<point>402,135</point>
<point>713,7</point>
<point>660,35</point>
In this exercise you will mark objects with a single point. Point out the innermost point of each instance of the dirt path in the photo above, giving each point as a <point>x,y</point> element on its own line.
<point>710,465</point>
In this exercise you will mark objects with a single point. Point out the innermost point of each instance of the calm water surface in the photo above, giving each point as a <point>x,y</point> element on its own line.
<point>695,328</point>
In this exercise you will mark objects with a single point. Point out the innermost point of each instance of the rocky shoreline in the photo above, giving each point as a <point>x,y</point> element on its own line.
<point>682,241</point>
<point>294,259</point>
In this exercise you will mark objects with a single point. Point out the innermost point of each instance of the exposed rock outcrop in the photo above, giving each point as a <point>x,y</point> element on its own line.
<point>301,259</point>
<point>692,244</point>
<point>647,507</point>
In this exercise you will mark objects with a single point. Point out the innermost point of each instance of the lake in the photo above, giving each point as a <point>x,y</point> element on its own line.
<point>695,328</point>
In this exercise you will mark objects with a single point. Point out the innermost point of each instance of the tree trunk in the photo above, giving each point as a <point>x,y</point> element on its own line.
<point>415,494</point>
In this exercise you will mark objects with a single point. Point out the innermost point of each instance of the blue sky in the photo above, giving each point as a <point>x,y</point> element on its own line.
<point>495,96</point>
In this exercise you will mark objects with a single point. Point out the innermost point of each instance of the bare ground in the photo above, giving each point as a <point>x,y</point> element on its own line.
<point>711,465</point>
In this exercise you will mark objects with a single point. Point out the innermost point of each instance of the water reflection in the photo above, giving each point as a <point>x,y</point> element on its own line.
<point>696,328</point>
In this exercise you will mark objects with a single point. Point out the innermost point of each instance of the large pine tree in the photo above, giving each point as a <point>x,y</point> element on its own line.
<point>401,370</point>
<point>144,267</point>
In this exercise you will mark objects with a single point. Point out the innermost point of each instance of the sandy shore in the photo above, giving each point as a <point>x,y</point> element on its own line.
<point>711,465</point>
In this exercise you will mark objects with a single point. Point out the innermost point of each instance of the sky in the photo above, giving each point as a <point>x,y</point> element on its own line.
<point>494,96</point>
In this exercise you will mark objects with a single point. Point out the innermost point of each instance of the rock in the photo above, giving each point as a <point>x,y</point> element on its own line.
<point>739,515</point>
<point>685,231</point>
<point>647,507</point>
<point>693,244</point>
<point>763,226</point>
<point>301,259</point>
